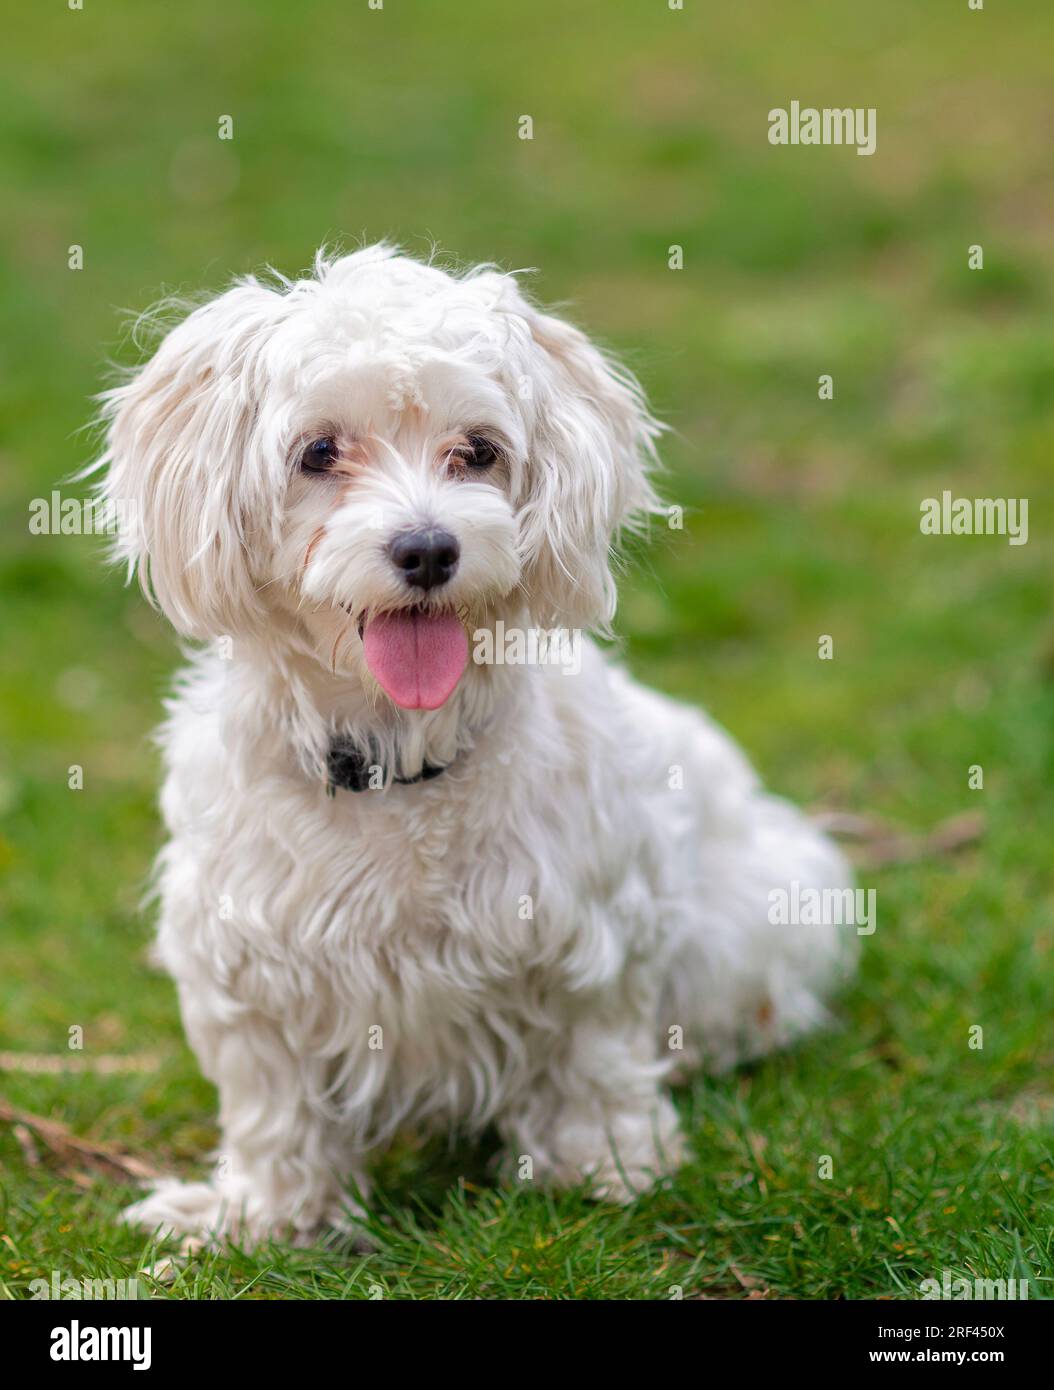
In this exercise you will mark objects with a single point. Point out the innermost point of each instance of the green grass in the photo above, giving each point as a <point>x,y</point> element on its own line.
<point>802,519</point>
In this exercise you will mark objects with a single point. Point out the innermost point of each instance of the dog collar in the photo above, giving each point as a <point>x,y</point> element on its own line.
<point>350,769</point>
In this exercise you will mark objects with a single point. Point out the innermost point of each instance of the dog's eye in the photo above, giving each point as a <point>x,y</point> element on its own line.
<point>477,453</point>
<point>319,456</point>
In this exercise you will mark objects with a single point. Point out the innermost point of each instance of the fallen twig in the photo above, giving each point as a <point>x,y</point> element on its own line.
<point>877,843</point>
<point>55,1063</point>
<point>25,1143</point>
<point>73,1151</point>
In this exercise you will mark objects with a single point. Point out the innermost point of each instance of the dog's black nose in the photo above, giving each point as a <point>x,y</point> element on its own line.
<point>426,558</point>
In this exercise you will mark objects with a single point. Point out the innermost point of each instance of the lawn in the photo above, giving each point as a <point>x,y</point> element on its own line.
<point>801,519</point>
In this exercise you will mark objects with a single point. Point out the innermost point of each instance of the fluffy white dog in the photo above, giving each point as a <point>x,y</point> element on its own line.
<point>403,887</point>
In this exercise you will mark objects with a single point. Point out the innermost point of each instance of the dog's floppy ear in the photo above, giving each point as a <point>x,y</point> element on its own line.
<point>591,441</point>
<point>178,463</point>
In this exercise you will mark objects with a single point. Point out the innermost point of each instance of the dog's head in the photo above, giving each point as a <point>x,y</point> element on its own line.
<point>381,457</point>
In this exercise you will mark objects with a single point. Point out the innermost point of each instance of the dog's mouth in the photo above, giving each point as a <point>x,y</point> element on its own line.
<point>416,655</point>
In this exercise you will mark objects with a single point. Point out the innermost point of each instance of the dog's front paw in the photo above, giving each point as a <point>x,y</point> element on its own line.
<point>174,1208</point>
<point>623,1159</point>
<point>213,1212</point>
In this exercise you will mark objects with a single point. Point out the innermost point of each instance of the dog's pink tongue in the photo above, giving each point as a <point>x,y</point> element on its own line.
<point>416,657</point>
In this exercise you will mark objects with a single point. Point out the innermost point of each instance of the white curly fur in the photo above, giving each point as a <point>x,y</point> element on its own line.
<point>521,933</point>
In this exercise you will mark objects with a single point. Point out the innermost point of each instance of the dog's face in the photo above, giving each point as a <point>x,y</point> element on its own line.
<point>382,458</point>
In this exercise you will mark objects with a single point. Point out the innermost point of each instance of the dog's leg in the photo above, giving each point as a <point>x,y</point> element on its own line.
<point>280,1163</point>
<point>600,1115</point>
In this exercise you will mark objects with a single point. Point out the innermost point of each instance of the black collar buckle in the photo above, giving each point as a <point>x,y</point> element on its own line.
<point>348,768</point>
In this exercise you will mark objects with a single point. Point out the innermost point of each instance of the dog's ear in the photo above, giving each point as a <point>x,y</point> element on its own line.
<point>178,463</point>
<point>591,441</point>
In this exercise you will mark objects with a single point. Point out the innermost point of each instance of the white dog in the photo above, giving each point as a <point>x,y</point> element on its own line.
<point>403,888</point>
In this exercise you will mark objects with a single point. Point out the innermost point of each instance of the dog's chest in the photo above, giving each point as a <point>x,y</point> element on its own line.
<point>425,873</point>
<point>405,849</point>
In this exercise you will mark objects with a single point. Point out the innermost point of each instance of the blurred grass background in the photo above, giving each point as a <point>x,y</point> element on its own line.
<point>650,130</point>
